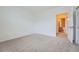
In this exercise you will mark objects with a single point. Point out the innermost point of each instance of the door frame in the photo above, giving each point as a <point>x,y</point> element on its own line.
<point>66,21</point>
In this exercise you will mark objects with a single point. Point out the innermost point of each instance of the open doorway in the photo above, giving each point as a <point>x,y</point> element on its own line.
<point>61,25</point>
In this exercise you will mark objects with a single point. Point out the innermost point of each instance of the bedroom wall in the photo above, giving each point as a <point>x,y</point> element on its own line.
<point>14,22</point>
<point>1,23</point>
<point>17,22</point>
<point>46,21</point>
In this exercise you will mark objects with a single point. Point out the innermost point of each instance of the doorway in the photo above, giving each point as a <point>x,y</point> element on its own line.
<point>61,25</point>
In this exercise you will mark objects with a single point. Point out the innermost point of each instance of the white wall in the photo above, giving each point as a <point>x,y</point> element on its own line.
<point>1,23</point>
<point>45,24</point>
<point>14,22</point>
<point>46,21</point>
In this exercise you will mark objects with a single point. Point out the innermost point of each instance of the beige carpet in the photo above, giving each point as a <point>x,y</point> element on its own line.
<point>38,43</point>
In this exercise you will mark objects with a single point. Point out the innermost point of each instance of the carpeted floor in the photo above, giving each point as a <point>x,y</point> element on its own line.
<point>38,43</point>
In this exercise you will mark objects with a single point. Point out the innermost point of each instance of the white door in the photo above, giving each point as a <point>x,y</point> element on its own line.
<point>70,30</point>
<point>77,26</point>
